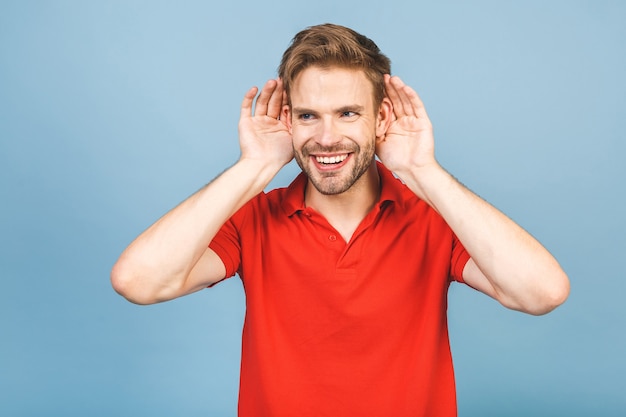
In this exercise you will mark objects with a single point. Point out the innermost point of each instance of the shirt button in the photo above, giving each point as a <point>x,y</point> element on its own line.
<point>332,238</point>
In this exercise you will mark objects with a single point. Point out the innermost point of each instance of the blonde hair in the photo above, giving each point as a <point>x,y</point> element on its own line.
<point>329,45</point>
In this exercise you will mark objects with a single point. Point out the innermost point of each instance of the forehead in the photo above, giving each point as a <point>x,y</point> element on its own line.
<point>317,86</point>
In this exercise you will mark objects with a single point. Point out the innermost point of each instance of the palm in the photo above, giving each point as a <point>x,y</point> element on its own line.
<point>265,137</point>
<point>408,141</point>
<point>261,134</point>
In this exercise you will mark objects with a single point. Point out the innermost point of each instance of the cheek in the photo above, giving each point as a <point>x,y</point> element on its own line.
<point>360,132</point>
<point>301,134</point>
<point>352,131</point>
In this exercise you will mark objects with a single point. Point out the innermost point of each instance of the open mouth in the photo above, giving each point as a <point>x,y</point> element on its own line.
<point>331,160</point>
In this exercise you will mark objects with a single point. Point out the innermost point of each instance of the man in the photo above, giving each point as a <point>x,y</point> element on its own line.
<point>345,271</point>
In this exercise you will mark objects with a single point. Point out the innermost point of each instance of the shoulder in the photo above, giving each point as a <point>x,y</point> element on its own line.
<point>405,206</point>
<point>275,203</point>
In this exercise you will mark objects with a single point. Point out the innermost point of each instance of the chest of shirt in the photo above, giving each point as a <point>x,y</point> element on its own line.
<point>389,249</point>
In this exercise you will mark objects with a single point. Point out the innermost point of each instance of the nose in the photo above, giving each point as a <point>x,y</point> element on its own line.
<point>329,134</point>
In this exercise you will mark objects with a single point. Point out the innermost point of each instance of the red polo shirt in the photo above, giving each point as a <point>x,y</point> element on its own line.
<point>343,329</point>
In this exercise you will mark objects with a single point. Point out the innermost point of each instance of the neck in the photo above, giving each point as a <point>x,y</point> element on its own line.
<point>345,211</point>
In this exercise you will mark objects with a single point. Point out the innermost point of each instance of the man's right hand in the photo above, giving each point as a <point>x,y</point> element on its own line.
<point>172,258</point>
<point>262,135</point>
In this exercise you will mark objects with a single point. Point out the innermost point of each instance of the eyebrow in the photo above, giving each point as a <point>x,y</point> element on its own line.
<point>353,107</point>
<point>302,110</point>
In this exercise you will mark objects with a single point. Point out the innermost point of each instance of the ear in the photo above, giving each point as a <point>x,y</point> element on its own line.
<point>383,119</point>
<point>285,116</point>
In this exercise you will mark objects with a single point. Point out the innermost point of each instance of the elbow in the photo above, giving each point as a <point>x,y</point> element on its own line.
<point>551,294</point>
<point>126,282</point>
<point>556,292</point>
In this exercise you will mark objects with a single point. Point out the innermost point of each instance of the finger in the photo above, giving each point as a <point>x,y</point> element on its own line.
<point>262,101</point>
<point>413,99</point>
<point>393,95</point>
<point>246,104</point>
<point>411,102</point>
<point>276,100</point>
<point>403,96</point>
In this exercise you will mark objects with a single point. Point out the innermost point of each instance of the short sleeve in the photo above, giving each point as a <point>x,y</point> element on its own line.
<point>226,244</point>
<point>458,260</point>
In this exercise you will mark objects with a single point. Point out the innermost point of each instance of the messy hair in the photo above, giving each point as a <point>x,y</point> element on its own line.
<point>329,45</point>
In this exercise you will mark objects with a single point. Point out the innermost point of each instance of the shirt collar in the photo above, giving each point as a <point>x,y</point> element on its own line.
<point>293,198</point>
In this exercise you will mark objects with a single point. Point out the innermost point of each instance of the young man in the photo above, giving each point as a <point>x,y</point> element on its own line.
<point>346,271</point>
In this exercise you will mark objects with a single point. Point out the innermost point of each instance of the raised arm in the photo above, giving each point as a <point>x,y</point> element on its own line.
<point>171,258</point>
<point>506,262</point>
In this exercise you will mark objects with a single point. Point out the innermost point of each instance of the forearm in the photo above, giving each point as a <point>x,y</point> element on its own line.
<point>507,263</point>
<point>521,273</point>
<point>155,266</point>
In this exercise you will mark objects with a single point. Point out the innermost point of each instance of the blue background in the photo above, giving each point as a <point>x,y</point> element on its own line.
<point>113,112</point>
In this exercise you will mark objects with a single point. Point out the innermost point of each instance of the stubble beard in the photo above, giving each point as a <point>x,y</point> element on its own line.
<point>333,183</point>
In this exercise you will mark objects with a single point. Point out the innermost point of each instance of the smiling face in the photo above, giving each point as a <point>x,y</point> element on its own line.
<point>334,123</point>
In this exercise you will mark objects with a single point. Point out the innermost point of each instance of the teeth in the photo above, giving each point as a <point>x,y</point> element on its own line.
<point>331,159</point>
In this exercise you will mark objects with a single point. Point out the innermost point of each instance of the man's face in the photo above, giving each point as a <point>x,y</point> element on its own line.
<point>333,122</point>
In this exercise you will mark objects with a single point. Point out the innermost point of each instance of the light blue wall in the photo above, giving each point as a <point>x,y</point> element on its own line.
<point>112,112</point>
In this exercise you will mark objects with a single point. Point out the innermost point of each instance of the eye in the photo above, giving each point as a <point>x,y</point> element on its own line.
<point>348,114</point>
<point>306,116</point>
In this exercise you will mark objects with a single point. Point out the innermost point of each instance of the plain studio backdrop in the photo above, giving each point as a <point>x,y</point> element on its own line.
<point>112,112</point>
